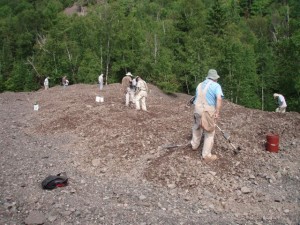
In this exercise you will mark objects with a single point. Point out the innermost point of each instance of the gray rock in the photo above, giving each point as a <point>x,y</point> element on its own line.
<point>103,170</point>
<point>272,177</point>
<point>77,214</point>
<point>96,162</point>
<point>251,177</point>
<point>142,197</point>
<point>66,213</point>
<point>271,181</point>
<point>245,190</point>
<point>171,186</point>
<point>286,211</point>
<point>35,217</point>
<point>187,198</point>
<point>52,218</point>
<point>212,173</point>
<point>9,205</point>
<point>238,192</point>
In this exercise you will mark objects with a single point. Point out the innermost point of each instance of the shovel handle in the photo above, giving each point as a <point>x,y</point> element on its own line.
<point>225,136</point>
<point>221,131</point>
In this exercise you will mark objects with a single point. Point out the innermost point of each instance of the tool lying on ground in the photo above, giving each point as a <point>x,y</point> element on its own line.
<point>168,146</point>
<point>227,136</point>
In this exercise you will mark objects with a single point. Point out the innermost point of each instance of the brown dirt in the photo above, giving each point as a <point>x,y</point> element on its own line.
<point>120,173</point>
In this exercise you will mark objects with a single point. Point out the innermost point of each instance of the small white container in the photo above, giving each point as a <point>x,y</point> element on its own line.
<point>36,107</point>
<point>99,99</point>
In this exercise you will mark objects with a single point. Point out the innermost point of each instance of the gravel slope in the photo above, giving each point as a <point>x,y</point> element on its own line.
<point>120,173</point>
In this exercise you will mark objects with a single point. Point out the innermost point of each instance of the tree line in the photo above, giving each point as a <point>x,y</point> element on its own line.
<point>253,44</point>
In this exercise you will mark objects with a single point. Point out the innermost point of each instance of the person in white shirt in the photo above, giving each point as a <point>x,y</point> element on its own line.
<point>141,94</point>
<point>100,80</point>
<point>281,103</point>
<point>65,81</point>
<point>46,83</point>
<point>134,82</point>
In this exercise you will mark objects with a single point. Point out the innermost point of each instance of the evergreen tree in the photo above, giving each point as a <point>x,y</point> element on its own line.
<point>217,19</point>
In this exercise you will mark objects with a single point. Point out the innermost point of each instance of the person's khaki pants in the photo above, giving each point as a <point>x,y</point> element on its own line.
<point>208,141</point>
<point>141,97</point>
<point>281,109</point>
<point>129,97</point>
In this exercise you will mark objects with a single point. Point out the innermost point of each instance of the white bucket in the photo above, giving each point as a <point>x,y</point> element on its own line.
<point>99,99</point>
<point>36,107</point>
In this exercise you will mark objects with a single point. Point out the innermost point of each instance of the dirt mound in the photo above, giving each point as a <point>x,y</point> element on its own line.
<point>119,152</point>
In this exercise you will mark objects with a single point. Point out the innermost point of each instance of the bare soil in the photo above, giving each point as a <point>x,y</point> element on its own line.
<point>120,171</point>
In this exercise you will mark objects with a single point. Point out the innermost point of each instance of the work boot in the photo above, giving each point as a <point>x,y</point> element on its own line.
<point>193,147</point>
<point>210,158</point>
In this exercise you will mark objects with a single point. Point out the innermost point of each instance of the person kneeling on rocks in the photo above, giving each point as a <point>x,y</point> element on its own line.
<point>281,103</point>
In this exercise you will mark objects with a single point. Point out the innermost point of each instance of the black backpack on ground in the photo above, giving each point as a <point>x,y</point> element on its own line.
<point>51,182</point>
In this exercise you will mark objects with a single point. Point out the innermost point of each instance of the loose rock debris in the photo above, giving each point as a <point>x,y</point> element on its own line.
<point>119,174</point>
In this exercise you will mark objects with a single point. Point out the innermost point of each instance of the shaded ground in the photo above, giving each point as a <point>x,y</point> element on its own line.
<point>121,174</point>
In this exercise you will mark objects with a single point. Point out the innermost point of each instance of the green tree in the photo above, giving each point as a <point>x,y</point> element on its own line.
<point>16,81</point>
<point>217,19</point>
<point>89,68</point>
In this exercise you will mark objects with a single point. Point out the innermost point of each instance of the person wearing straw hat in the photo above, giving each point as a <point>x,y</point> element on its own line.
<point>208,102</point>
<point>126,83</point>
<point>46,83</point>
<point>281,103</point>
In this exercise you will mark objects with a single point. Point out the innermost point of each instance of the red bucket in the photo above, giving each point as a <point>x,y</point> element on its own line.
<point>272,142</point>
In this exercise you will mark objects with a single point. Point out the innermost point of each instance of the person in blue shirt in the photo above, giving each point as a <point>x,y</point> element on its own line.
<point>208,102</point>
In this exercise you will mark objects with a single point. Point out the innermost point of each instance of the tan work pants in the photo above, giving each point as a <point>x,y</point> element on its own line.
<point>208,141</point>
<point>129,96</point>
<point>141,98</point>
<point>281,109</point>
<point>208,138</point>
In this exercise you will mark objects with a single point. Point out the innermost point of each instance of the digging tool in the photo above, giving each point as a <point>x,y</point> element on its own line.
<point>227,136</point>
<point>169,146</point>
<point>191,101</point>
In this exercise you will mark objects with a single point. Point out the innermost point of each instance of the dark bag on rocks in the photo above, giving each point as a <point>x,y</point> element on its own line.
<point>52,182</point>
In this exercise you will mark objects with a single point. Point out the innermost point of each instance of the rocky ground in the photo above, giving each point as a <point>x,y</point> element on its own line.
<point>120,171</point>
